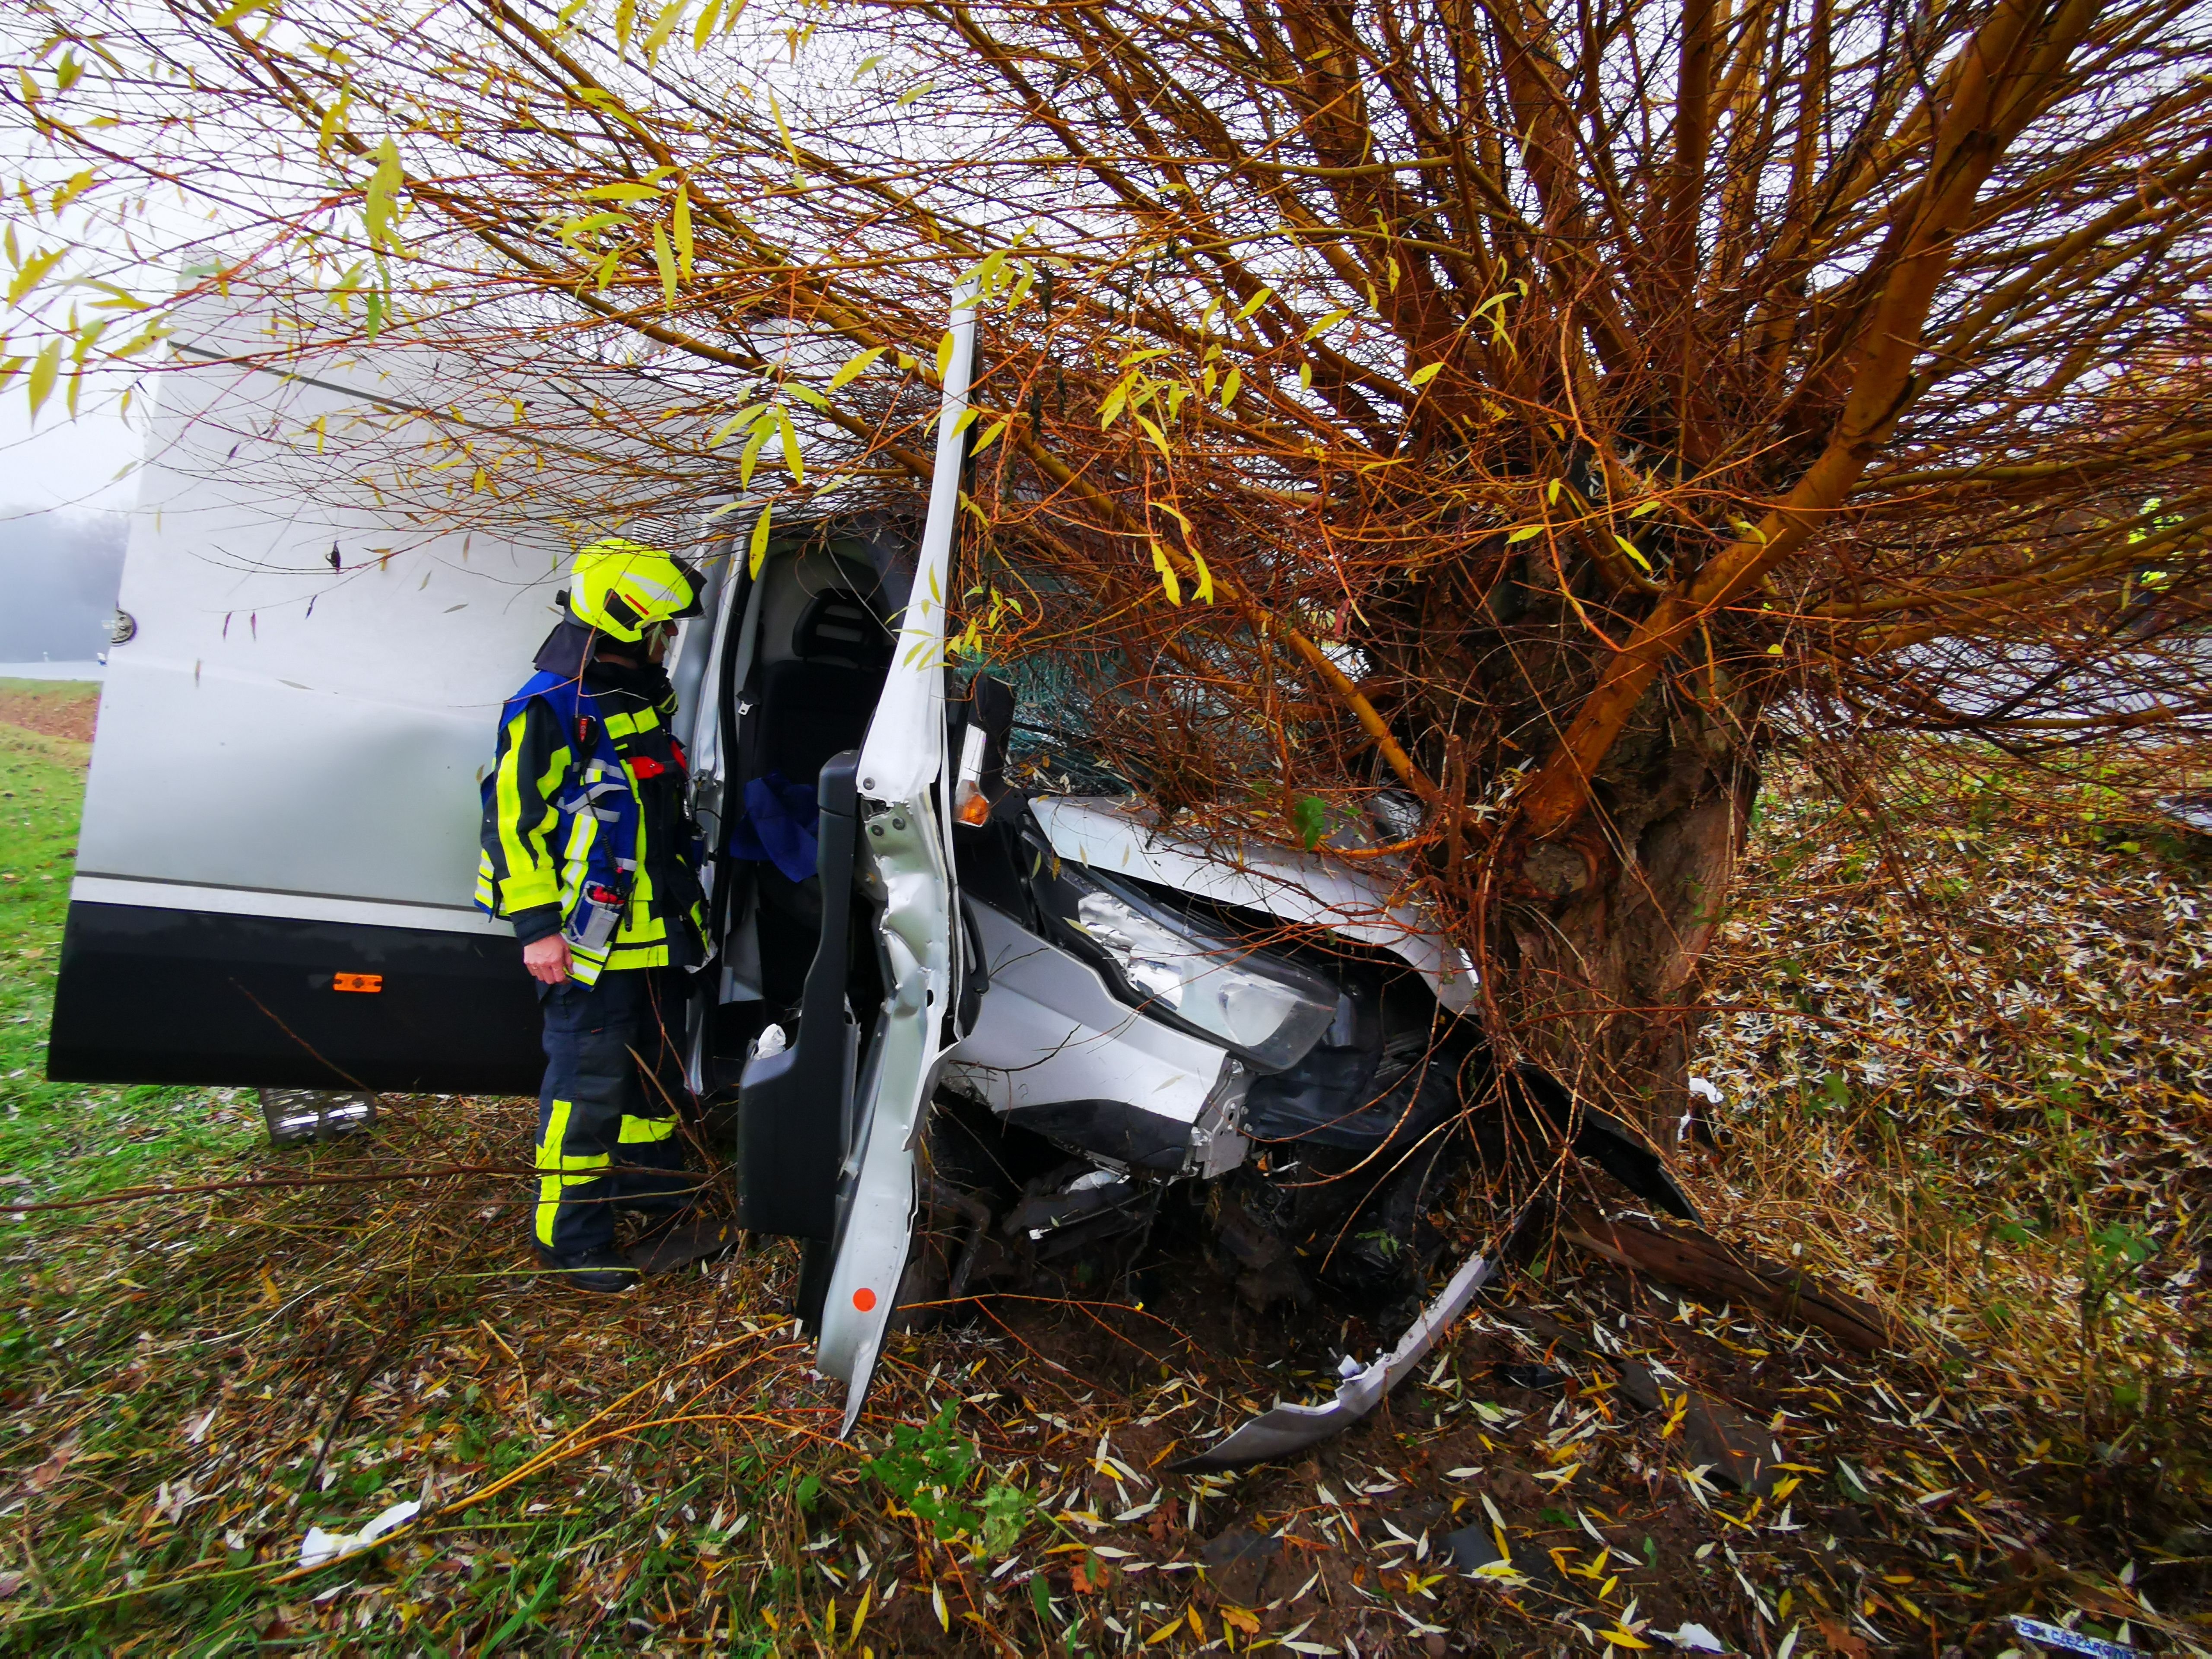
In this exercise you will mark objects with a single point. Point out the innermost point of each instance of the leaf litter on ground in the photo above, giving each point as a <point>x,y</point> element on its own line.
<point>1961,1067</point>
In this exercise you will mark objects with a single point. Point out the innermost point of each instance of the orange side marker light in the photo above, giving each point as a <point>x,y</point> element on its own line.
<point>865,1299</point>
<point>368,983</point>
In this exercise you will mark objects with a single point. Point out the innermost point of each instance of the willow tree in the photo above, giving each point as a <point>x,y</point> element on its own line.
<point>1461,435</point>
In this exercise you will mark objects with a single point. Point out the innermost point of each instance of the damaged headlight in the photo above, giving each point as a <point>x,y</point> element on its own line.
<point>1271,1012</point>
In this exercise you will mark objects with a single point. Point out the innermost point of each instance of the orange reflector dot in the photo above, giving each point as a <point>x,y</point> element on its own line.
<point>371,983</point>
<point>865,1299</point>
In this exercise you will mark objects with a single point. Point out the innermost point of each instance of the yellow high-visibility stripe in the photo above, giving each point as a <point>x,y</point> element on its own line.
<point>633,955</point>
<point>558,1169</point>
<point>638,1131</point>
<point>624,726</point>
<point>521,866</point>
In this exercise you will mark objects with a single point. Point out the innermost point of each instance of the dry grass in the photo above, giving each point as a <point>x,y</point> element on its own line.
<point>191,1382</point>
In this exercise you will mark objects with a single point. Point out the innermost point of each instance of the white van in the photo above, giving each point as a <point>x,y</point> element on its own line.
<point>274,889</point>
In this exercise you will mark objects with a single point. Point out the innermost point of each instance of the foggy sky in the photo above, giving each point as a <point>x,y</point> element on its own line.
<point>58,574</point>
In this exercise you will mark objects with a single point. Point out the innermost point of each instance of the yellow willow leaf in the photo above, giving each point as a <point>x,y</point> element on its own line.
<point>567,13</point>
<point>625,21</point>
<point>1204,578</point>
<point>761,428</point>
<point>1168,582</point>
<point>990,435</point>
<point>1326,324</point>
<point>1524,533</point>
<point>1159,438</point>
<point>920,90</point>
<point>730,17</point>
<point>1110,411</point>
<point>377,198</point>
<point>703,30</point>
<point>783,131</point>
<point>1254,303</point>
<point>75,386</point>
<point>805,394</point>
<point>663,27</point>
<point>33,273</point>
<point>680,226</point>
<point>622,192</point>
<point>791,448</point>
<point>944,356</point>
<point>78,184</point>
<point>1633,552</point>
<point>856,366</point>
<point>43,371</point>
<point>231,13</point>
<point>667,262</point>
<point>1229,386</point>
<point>759,549</point>
<point>320,422</point>
<point>1423,376</point>
<point>333,123</point>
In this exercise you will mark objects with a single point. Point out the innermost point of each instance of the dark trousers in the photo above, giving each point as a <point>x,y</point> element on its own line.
<point>608,1134</point>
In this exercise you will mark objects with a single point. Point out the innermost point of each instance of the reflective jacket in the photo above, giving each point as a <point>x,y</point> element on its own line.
<point>585,831</point>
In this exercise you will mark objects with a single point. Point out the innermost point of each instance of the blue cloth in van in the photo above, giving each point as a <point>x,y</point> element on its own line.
<point>778,825</point>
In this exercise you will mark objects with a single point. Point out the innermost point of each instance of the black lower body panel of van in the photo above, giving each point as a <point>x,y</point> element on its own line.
<point>148,995</point>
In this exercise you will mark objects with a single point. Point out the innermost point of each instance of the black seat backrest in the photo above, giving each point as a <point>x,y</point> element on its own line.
<point>839,626</point>
<point>818,701</point>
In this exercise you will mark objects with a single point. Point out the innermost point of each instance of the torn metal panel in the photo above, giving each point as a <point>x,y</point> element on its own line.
<point>1288,1429</point>
<point>1119,836</point>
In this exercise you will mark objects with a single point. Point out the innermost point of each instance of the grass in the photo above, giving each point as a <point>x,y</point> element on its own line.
<point>66,1140</point>
<point>1962,1047</point>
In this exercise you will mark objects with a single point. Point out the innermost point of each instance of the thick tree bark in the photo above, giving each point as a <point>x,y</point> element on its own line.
<point>1597,954</point>
<point>1596,940</point>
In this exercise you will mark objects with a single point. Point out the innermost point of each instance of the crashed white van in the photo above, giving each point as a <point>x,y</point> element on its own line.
<point>1012,1023</point>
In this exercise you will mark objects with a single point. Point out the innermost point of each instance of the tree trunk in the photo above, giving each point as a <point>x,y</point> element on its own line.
<point>1595,941</point>
<point>1597,950</point>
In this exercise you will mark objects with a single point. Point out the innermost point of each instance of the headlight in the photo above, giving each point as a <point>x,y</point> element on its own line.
<point>1271,1012</point>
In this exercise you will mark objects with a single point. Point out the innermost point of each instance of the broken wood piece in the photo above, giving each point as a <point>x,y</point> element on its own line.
<point>1740,1451</point>
<point>1697,1261</point>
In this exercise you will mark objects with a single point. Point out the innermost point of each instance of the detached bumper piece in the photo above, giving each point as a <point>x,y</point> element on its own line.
<point>1289,1429</point>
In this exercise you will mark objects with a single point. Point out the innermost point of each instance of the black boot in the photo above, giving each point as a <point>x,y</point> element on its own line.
<point>605,1272</point>
<point>689,1236</point>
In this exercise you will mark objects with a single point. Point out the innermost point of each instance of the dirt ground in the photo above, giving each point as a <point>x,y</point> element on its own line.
<point>1965,1076</point>
<point>58,709</point>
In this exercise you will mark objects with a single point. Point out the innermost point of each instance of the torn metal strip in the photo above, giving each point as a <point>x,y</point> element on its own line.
<point>1288,1429</point>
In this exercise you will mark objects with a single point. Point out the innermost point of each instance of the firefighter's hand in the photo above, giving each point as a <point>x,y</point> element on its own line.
<point>547,958</point>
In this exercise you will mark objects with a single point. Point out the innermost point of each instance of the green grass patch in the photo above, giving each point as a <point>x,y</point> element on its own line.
<point>61,1141</point>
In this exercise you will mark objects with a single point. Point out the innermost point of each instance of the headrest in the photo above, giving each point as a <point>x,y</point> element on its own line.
<point>838,625</point>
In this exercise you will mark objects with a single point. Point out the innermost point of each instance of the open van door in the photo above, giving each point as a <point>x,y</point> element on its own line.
<point>828,1127</point>
<point>278,850</point>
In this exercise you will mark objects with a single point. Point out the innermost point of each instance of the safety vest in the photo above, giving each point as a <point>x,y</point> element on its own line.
<point>609,914</point>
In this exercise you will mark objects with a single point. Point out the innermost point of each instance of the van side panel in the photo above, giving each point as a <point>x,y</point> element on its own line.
<point>178,996</point>
<point>284,783</point>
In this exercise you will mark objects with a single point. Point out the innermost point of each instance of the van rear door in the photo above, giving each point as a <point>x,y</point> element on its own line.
<point>279,846</point>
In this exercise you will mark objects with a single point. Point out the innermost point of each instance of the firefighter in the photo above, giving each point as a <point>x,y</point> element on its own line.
<point>589,851</point>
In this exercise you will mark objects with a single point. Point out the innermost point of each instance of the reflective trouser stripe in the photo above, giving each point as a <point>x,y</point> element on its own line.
<point>637,1131</point>
<point>558,1169</point>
